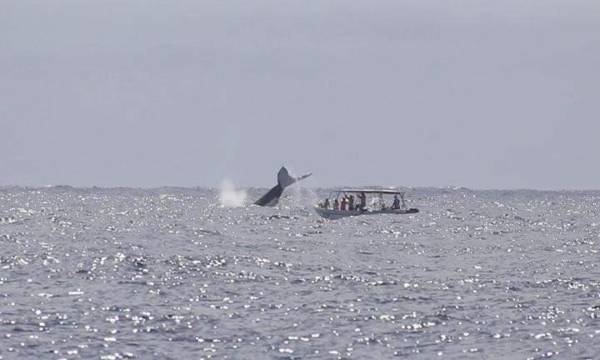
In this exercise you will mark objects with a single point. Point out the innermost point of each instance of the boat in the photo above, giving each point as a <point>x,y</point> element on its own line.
<point>376,206</point>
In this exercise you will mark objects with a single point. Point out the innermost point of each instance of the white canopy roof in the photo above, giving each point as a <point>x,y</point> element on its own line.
<point>372,191</point>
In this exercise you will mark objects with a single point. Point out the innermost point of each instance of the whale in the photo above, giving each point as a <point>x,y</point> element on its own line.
<point>284,179</point>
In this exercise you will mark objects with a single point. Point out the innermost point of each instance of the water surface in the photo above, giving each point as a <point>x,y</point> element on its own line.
<point>169,274</point>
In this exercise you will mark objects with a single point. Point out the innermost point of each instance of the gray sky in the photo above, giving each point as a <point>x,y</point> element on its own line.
<point>483,94</point>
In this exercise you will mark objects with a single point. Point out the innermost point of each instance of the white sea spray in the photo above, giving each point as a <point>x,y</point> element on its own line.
<point>229,196</point>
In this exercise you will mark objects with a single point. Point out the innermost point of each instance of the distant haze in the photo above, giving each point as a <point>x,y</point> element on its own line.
<point>482,94</point>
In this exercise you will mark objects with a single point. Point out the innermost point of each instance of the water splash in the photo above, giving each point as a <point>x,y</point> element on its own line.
<point>300,197</point>
<point>229,196</point>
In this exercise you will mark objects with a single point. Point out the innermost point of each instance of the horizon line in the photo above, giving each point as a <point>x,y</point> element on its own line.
<point>420,187</point>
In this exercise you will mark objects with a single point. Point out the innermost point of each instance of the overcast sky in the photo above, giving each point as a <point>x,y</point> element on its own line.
<point>482,94</point>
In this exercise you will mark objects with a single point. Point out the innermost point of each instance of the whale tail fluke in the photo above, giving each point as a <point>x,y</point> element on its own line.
<point>284,179</point>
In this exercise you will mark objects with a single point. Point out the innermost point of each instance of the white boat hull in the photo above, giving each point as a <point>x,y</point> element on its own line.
<point>338,214</point>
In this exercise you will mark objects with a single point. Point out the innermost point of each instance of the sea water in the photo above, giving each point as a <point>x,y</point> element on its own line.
<point>171,274</point>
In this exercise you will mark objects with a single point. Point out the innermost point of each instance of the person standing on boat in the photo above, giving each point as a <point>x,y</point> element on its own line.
<point>363,201</point>
<point>396,204</point>
<point>344,203</point>
<point>326,203</point>
<point>336,204</point>
<point>351,202</point>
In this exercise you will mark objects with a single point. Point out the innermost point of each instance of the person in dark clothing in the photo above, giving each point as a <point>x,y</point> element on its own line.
<point>363,201</point>
<point>396,204</point>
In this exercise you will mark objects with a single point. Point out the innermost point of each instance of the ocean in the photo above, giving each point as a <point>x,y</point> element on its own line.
<point>169,273</point>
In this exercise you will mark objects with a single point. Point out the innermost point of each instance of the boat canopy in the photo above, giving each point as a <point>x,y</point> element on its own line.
<point>372,191</point>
